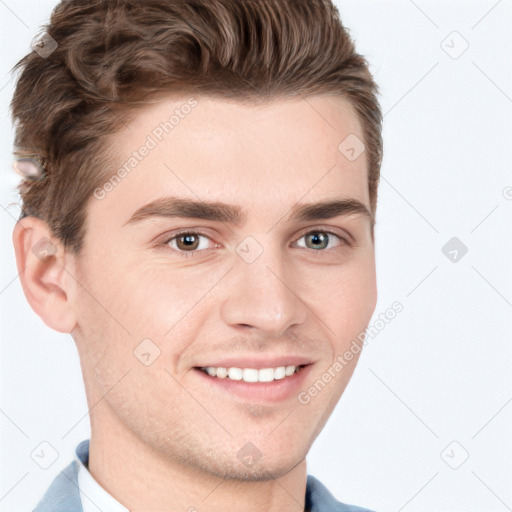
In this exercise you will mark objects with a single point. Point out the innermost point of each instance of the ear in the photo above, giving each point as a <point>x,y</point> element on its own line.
<point>45,273</point>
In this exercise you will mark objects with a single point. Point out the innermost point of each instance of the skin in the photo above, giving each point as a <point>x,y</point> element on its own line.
<point>164,422</point>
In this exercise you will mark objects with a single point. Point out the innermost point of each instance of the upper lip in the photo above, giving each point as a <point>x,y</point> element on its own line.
<point>257,362</point>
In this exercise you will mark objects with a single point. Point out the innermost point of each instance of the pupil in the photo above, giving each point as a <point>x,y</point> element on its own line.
<point>189,241</point>
<point>316,239</point>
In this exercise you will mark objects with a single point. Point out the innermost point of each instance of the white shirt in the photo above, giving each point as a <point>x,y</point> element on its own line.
<point>94,498</point>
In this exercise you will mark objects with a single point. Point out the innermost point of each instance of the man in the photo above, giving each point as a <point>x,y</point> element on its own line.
<point>197,212</point>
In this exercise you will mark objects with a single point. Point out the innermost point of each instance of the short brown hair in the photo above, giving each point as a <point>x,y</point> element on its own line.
<point>115,55</point>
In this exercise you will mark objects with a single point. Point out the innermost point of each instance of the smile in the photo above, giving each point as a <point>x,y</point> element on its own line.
<point>252,374</point>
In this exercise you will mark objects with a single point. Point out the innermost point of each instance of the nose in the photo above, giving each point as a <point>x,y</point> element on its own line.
<point>263,295</point>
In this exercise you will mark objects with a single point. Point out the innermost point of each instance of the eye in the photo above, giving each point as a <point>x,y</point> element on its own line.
<point>188,242</point>
<point>318,240</point>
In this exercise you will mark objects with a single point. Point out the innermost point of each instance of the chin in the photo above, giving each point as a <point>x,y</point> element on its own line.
<point>248,464</point>
<point>260,472</point>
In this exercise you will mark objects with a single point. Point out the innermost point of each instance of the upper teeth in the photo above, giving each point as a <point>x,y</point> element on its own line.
<point>252,374</point>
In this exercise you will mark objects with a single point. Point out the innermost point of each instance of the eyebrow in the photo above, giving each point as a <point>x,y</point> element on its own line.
<point>173,206</point>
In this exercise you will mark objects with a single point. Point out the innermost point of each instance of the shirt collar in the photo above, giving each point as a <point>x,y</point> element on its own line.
<point>93,496</point>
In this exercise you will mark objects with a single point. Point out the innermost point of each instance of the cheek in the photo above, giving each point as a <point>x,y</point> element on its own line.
<point>126,294</point>
<point>143,301</point>
<point>107,310</point>
<point>348,298</point>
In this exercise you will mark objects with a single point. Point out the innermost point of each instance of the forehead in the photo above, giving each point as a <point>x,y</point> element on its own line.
<point>262,156</point>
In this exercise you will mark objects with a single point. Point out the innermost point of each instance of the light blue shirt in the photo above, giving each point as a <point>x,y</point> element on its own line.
<point>75,490</point>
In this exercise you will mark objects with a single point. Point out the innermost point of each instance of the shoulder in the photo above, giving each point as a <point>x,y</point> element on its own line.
<point>63,494</point>
<point>319,499</point>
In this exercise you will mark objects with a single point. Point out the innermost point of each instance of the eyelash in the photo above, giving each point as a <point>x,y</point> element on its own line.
<point>190,254</point>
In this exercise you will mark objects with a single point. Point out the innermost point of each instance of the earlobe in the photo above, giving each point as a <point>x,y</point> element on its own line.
<point>47,284</point>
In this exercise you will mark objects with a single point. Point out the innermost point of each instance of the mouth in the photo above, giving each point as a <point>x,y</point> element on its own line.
<point>269,385</point>
<point>252,374</point>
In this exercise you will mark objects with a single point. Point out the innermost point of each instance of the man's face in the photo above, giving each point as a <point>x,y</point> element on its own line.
<point>263,288</point>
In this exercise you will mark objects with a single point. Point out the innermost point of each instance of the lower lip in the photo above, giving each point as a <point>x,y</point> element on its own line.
<point>269,392</point>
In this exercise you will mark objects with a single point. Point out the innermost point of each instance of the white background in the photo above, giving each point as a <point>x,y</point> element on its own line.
<point>438,373</point>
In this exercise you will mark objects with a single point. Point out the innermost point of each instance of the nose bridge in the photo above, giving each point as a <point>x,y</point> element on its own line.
<point>262,293</point>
